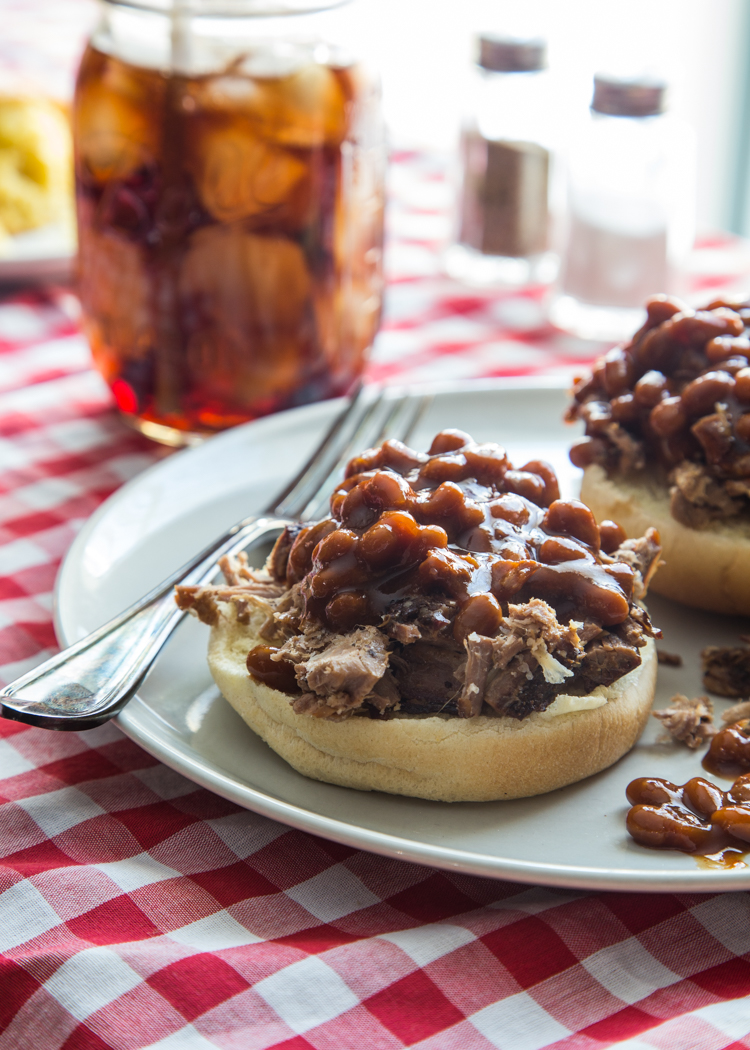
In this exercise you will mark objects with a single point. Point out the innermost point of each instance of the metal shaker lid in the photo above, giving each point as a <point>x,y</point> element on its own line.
<point>628,96</point>
<point>504,54</point>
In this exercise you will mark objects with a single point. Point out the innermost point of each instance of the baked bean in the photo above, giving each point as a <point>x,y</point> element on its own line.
<point>275,674</point>
<point>668,417</point>
<point>399,456</point>
<point>347,610</point>
<point>575,518</point>
<point>660,827</point>
<point>300,556</point>
<point>355,510</point>
<point>386,490</point>
<point>618,372</point>
<point>370,459</point>
<point>510,508</point>
<point>725,346</point>
<point>661,308</point>
<point>729,753</point>
<point>700,396</point>
<point>734,821</point>
<point>625,409</point>
<point>446,467</point>
<point>449,441</point>
<point>733,365</point>
<point>742,386</point>
<point>611,535</point>
<point>651,791</point>
<point>487,463</point>
<point>556,549</point>
<point>703,797</point>
<point>448,571</point>
<point>478,540</point>
<point>596,415</point>
<point>735,305</point>
<point>480,614</point>
<point>596,594</point>
<point>698,328</point>
<point>383,545</point>
<point>650,389</point>
<point>334,546</point>
<point>742,427</point>
<point>508,577</point>
<point>530,486</point>
<point>740,790</point>
<point>587,450</point>
<point>546,472</point>
<point>624,575</point>
<point>449,504</point>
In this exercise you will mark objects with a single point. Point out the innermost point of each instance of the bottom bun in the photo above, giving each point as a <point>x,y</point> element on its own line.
<point>435,756</point>
<point>705,568</point>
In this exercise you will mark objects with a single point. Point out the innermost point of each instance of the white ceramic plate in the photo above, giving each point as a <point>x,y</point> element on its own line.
<point>575,837</point>
<point>45,254</point>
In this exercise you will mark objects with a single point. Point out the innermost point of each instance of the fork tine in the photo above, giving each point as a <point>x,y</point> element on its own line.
<point>403,413</point>
<point>363,436</point>
<point>307,478</point>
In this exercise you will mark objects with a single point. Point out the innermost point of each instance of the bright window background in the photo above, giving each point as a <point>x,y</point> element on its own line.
<point>424,47</point>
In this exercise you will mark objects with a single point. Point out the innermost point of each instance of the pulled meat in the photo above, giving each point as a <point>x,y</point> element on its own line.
<point>691,722</point>
<point>736,713</point>
<point>244,588</point>
<point>696,498</point>
<point>726,670</point>
<point>668,659</point>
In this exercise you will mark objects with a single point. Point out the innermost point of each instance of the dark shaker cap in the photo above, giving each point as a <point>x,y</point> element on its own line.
<point>628,97</point>
<point>511,55</point>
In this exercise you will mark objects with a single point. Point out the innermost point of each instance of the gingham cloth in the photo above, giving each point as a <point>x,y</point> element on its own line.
<point>139,911</point>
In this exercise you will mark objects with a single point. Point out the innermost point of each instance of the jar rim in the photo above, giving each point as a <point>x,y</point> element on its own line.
<point>229,8</point>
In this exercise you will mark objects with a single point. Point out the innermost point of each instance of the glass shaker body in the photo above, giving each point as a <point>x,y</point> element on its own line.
<point>631,221</point>
<point>229,176</point>
<point>502,222</point>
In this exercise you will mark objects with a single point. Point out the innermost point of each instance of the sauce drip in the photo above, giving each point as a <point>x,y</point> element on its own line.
<point>696,817</point>
<point>458,521</point>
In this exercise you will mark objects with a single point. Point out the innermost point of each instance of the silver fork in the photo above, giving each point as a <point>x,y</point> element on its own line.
<point>92,680</point>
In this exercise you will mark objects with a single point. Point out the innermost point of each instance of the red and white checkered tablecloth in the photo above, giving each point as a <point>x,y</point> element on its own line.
<point>137,910</point>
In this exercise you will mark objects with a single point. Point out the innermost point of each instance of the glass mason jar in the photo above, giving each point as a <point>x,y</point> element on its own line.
<point>229,177</point>
<point>502,207</point>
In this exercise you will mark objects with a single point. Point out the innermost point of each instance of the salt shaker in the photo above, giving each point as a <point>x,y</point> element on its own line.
<point>631,209</point>
<point>502,222</point>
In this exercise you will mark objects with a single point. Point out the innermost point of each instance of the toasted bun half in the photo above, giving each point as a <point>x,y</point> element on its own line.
<point>705,568</point>
<point>438,757</point>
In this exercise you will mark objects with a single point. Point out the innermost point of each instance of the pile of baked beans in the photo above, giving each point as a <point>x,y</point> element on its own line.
<point>462,522</point>
<point>681,388</point>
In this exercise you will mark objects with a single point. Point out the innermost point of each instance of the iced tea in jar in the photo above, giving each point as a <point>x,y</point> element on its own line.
<point>229,177</point>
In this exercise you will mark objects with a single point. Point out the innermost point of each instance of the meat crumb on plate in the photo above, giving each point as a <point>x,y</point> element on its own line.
<point>690,722</point>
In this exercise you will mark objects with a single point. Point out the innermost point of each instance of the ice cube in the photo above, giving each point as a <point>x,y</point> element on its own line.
<point>117,134</point>
<point>114,287</point>
<point>244,281</point>
<point>239,175</point>
<point>306,109</point>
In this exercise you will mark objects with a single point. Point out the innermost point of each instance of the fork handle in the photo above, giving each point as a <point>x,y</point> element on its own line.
<point>93,679</point>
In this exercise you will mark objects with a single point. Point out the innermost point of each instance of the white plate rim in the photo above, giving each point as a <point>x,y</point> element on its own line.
<point>586,877</point>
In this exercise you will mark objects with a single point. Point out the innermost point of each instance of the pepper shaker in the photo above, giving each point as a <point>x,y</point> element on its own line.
<point>502,216</point>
